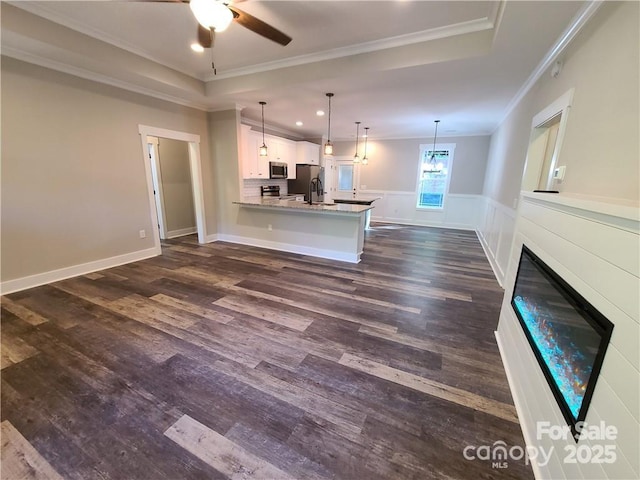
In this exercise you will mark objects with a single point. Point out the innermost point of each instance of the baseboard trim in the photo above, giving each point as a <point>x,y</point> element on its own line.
<point>11,286</point>
<point>497,271</point>
<point>182,232</point>
<point>453,226</point>
<point>528,438</point>
<point>211,238</point>
<point>290,248</point>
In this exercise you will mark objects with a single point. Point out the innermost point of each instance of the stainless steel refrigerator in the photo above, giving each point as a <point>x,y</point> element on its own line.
<point>309,179</point>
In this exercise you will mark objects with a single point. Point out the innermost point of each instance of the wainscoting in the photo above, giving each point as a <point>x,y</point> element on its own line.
<point>594,247</point>
<point>460,211</point>
<point>495,231</point>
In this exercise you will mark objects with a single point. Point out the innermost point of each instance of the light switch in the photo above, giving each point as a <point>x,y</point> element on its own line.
<point>558,173</point>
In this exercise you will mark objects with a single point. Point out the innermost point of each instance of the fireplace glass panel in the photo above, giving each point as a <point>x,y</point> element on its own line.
<point>569,336</point>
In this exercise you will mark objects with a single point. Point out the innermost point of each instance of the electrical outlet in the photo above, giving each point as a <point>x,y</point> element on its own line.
<point>143,234</point>
<point>269,227</point>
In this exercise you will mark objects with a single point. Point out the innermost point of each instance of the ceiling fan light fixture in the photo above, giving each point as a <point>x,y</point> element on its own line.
<point>328,147</point>
<point>211,14</point>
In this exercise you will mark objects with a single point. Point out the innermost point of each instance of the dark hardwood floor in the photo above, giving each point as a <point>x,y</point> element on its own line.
<point>226,361</point>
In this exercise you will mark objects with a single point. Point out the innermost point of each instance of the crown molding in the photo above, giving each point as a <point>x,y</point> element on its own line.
<point>417,138</point>
<point>462,28</point>
<point>97,77</point>
<point>576,25</point>
<point>40,9</point>
<point>222,108</point>
<point>283,131</point>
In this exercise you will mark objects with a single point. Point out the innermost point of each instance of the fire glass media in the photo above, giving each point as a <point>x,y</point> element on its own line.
<point>567,334</point>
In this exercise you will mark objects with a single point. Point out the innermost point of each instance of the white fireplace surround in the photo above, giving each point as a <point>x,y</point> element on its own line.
<point>593,244</point>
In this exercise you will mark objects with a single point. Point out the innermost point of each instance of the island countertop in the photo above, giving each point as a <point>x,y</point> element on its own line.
<point>288,204</point>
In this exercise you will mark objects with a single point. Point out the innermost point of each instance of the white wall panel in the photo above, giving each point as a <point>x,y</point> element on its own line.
<point>578,244</point>
<point>495,230</point>
<point>460,211</point>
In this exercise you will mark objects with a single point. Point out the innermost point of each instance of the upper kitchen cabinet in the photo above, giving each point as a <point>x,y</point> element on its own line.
<point>283,150</point>
<point>308,152</point>
<point>253,165</point>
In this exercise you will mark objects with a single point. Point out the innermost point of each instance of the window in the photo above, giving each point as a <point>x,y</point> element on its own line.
<point>345,177</point>
<point>434,174</point>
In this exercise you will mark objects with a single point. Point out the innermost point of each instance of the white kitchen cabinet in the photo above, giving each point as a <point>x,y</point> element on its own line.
<point>253,165</point>
<point>283,150</point>
<point>278,150</point>
<point>308,152</point>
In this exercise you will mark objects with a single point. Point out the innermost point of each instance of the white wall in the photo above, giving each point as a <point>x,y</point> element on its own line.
<point>74,192</point>
<point>601,145</point>
<point>595,253</point>
<point>392,174</point>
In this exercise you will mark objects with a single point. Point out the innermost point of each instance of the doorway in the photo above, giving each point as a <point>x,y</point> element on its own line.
<point>195,170</point>
<point>173,187</point>
<point>545,142</point>
<point>346,178</point>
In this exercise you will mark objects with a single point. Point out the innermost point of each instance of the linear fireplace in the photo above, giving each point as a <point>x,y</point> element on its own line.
<point>569,337</point>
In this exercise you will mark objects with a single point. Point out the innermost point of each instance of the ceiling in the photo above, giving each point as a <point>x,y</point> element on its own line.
<point>396,66</point>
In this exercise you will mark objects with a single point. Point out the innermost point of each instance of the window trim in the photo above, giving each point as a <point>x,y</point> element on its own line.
<point>450,147</point>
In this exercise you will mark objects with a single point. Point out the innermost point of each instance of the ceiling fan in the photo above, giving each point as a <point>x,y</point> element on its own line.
<point>216,15</point>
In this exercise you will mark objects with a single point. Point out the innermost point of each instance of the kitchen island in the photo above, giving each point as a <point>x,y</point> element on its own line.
<point>326,230</point>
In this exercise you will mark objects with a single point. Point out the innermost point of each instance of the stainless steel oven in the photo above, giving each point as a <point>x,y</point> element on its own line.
<point>277,170</point>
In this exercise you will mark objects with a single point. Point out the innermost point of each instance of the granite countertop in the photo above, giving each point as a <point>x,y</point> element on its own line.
<point>289,204</point>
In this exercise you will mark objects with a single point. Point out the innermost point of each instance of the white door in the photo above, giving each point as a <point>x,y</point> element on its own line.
<point>346,178</point>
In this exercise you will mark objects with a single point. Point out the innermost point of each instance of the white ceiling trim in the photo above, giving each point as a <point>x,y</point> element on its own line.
<point>254,123</point>
<point>462,28</point>
<point>421,138</point>
<point>96,77</point>
<point>56,17</point>
<point>579,21</point>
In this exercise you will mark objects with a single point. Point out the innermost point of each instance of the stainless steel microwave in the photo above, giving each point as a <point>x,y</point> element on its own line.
<point>277,170</point>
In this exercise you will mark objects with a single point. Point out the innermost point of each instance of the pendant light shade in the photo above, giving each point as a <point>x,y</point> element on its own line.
<point>365,159</point>
<point>356,158</point>
<point>211,14</point>
<point>433,166</point>
<point>263,148</point>
<point>328,147</point>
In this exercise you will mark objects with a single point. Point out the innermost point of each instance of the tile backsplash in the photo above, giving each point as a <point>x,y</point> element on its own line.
<point>251,186</point>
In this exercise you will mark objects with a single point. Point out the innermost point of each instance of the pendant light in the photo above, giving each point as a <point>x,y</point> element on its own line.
<point>432,166</point>
<point>328,147</point>
<point>263,148</point>
<point>365,160</point>
<point>356,158</point>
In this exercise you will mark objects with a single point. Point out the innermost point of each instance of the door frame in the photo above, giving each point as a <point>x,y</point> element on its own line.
<point>156,175</point>
<point>538,141</point>
<point>195,166</point>
<point>337,160</point>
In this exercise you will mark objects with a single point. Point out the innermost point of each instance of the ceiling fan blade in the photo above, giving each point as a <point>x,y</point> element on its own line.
<point>258,26</point>
<point>205,36</point>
